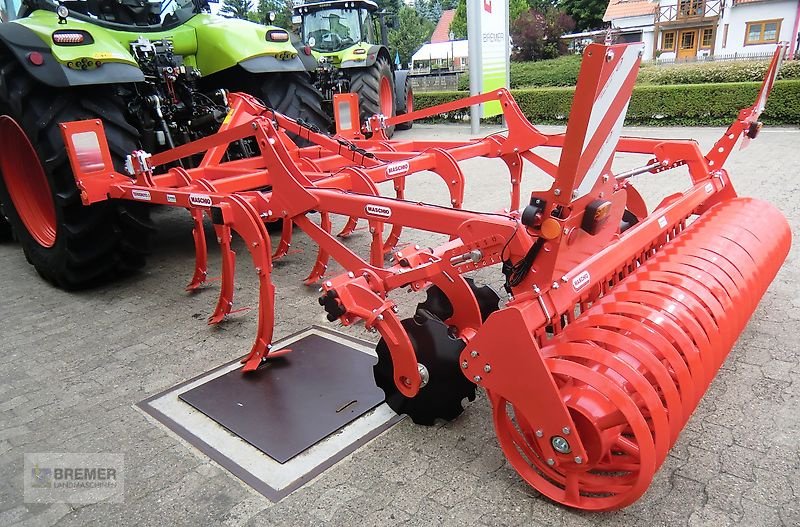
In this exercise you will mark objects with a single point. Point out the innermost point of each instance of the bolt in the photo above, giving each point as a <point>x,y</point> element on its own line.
<point>255,244</point>
<point>477,378</point>
<point>564,279</point>
<point>557,192</point>
<point>269,213</point>
<point>473,354</point>
<point>539,433</point>
<point>453,201</point>
<point>395,309</point>
<point>416,247</point>
<point>465,364</point>
<point>566,430</point>
<point>555,285</point>
<point>258,270</point>
<point>578,460</point>
<point>254,125</point>
<point>351,275</point>
<point>487,368</point>
<point>605,178</point>
<point>379,318</point>
<point>560,445</point>
<point>574,193</point>
<point>609,56</point>
<point>551,461</point>
<point>328,284</point>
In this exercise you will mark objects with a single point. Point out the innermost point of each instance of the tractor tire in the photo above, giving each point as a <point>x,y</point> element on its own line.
<point>290,93</point>
<point>408,107</point>
<point>70,245</point>
<point>6,234</point>
<point>375,89</point>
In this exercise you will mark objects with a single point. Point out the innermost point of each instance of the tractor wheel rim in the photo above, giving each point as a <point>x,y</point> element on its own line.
<point>386,97</point>
<point>27,183</point>
<point>409,102</point>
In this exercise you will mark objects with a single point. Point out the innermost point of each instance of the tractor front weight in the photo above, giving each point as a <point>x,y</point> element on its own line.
<point>617,319</point>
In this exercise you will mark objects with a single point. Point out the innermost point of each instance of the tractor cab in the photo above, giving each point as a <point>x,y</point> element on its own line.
<point>333,27</point>
<point>9,10</point>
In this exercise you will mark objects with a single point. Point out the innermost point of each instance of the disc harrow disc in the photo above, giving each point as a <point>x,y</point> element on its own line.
<point>447,387</point>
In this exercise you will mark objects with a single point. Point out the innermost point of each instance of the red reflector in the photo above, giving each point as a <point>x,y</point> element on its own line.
<point>35,58</point>
<point>307,50</point>
<point>68,38</point>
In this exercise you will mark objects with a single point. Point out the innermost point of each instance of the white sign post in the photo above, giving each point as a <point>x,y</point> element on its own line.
<point>487,30</point>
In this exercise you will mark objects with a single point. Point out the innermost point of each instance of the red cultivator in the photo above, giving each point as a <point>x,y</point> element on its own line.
<point>617,320</point>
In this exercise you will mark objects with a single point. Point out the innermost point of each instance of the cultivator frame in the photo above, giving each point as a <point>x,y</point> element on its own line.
<point>617,319</point>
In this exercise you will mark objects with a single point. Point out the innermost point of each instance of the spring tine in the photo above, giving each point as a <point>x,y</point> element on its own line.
<point>397,229</point>
<point>286,240</point>
<point>200,252</point>
<point>321,264</point>
<point>349,227</point>
<point>225,301</point>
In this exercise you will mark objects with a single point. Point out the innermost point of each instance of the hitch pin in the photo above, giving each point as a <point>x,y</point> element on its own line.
<point>542,303</point>
<point>474,256</point>
<point>636,171</point>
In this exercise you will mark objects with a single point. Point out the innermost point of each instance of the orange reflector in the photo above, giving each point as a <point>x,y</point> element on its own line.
<point>551,229</point>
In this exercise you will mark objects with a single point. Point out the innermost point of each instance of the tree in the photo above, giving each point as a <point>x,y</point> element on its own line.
<point>236,8</point>
<point>411,33</point>
<point>281,8</point>
<point>536,35</point>
<point>588,14</point>
<point>458,27</point>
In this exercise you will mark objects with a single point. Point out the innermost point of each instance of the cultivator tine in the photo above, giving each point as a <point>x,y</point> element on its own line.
<point>286,240</point>
<point>321,263</point>
<point>349,227</point>
<point>228,257</point>
<point>200,252</point>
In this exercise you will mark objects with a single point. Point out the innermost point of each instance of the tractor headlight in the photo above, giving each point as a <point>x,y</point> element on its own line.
<point>72,38</point>
<point>277,35</point>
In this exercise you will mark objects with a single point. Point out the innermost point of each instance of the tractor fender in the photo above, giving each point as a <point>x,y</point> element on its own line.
<point>22,41</point>
<point>400,77</point>
<point>373,53</point>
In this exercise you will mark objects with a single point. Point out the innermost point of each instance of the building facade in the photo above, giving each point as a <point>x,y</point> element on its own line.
<point>684,30</point>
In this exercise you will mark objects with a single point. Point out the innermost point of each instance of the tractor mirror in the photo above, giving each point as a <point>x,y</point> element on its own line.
<point>272,16</point>
<point>297,19</point>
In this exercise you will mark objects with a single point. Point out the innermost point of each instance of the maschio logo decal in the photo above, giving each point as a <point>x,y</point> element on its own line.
<point>581,281</point>
<point>397,169</point>
<point>377,210</point>
<point>200,200</point>
<point>141,195</point>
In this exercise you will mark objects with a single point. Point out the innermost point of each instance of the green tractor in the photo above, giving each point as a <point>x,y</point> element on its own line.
<point>349,39</point>
<point>157,75</point>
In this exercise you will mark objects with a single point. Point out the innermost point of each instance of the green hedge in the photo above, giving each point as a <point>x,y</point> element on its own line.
<point>563,71</point>
<point>686,105</point>
<point>712,72</point>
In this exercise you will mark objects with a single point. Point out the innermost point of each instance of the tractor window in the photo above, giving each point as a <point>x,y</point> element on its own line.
<point>9,9</point>
<point>369,27</point>
<point>331,29</point>
<point>145,15</point>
